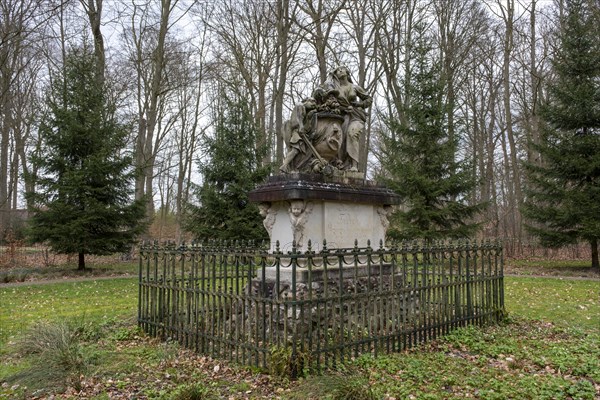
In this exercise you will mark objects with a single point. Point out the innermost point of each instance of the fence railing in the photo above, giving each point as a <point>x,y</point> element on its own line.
<point>244,304</point>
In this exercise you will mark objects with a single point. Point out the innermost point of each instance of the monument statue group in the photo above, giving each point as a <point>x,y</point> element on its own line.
<point>324,130</point>
<point>320,194</point>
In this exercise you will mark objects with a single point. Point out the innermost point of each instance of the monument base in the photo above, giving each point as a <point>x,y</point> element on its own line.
<point>320,274</point>
<point>338,211</point>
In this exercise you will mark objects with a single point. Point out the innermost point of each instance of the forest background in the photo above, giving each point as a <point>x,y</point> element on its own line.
<point>172,61</point>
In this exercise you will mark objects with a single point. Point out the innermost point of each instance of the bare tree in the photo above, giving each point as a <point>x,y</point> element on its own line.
<point>246,45</point>
<point>20,23</point>
<point>286,50</point>
<point>148,45</point>
<point>530,59</point>
<point>479,106</point>
<point>362,24</point>
<point>459,24</point>
<point>507,12</point>
<point>93,9</point>
<point>317,23</point>
<point>189,100</point>
<point>393,39</point>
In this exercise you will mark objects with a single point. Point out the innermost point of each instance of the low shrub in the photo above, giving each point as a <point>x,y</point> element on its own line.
<point>334,387</point>
<point>57,358</point>
<point>284,363</point>
<point>13,275</point>
<point>192,392</point>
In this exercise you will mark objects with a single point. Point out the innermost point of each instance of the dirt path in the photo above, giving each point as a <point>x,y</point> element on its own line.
<point>65,280</point>
<point>566,278</point>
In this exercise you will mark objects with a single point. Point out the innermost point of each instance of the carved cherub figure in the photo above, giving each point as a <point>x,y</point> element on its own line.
<point>299,211</point>
<point>269,215</point>
<point>384,213</point>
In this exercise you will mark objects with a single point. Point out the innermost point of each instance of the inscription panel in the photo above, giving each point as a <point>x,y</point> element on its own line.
<point>339,223</point>
<point>343,223</point>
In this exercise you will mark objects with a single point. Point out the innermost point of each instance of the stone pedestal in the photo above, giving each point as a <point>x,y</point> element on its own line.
<point>305,291</point>
<point>340,210</point>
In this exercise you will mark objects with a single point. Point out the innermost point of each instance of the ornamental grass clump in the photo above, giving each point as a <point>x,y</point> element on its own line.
<point>334,387</point>
<point>192,392</point>
<point>57,358</point>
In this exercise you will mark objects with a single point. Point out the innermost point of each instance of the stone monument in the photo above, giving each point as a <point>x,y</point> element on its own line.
<point>320,196</point>
<point>320,193</point>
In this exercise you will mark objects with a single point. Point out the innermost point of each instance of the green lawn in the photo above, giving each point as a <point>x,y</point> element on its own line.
<point>549,349</point>
<point>565,302</point>
<point>559,268</point>
<point>91,301</point>
<point>561,301</point>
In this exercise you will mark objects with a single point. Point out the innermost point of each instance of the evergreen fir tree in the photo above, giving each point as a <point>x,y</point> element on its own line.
<point>563,195</point>
<point>82,202</point>
<point>419,158</point>
<point>233,169</point>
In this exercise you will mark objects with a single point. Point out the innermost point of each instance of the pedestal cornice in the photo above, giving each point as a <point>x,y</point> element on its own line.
<point>318,187</point>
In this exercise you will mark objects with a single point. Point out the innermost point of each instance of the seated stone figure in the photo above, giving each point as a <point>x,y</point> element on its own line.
<point>352,101</point>
<point>296,129</point>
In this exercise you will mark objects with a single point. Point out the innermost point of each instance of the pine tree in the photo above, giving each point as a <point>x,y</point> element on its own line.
<point>233,169</point>
<point>418,158</point>
<point>563,196</point>
<point>82,202</point>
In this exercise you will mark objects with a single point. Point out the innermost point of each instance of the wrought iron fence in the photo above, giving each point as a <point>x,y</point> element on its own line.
<point>242,303</point>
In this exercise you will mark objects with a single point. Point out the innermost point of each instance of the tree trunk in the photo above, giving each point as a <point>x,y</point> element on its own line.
<point>93,9</point>
<point>363,40</point>
<point>283,28</point>
<point>533,155</point>
<point>320,44</point>
<point>139,158</point>
<point>146,144</point>
<point>595,262</point>
<point>514,161</point>
<point>81,264</point>
<point>261,115</point>
<point>322,20</point>
<point>5,127</point>
<point>490,175</point>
